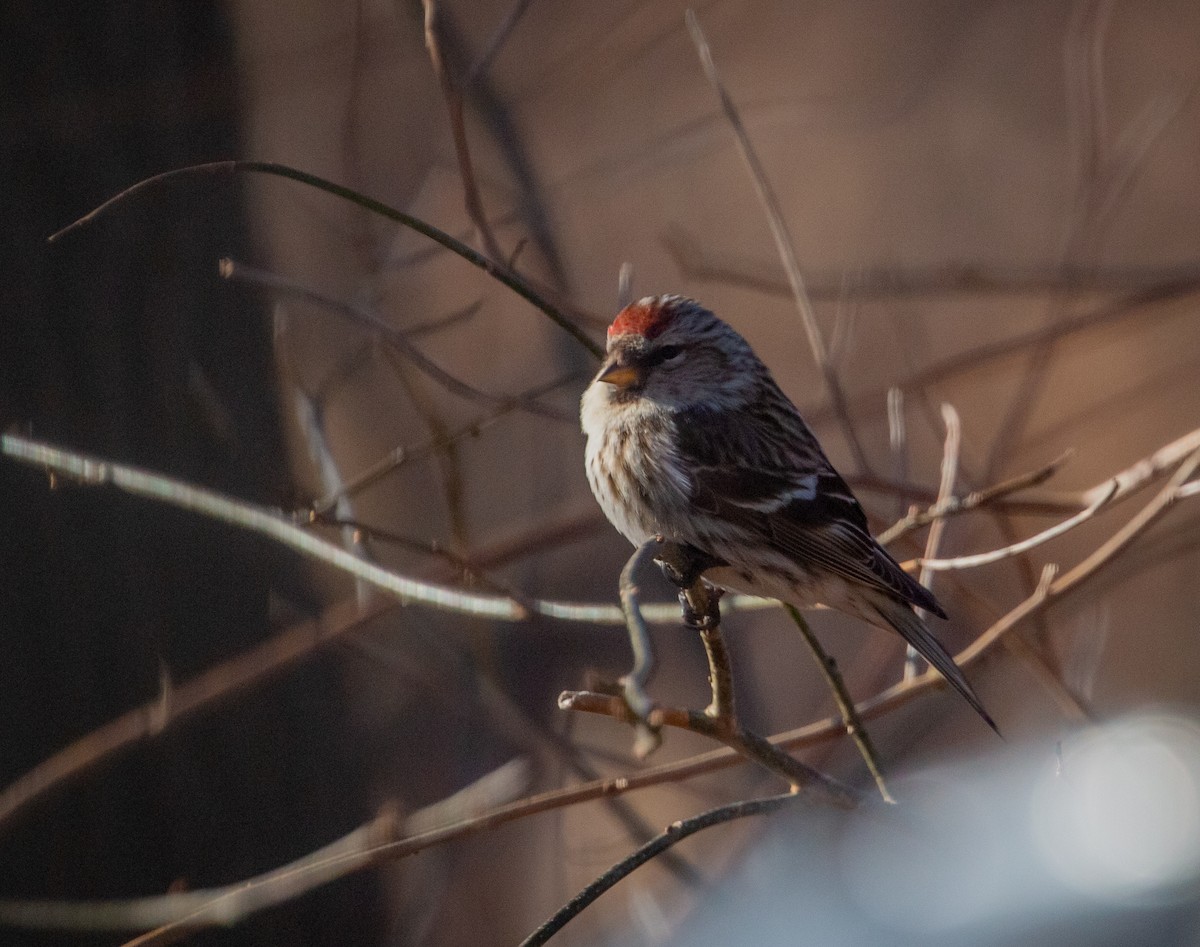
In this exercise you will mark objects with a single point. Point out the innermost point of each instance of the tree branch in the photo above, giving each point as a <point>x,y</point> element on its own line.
<point>494,268</point>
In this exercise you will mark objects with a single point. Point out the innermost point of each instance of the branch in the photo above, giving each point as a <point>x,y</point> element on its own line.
<point>401,455</point>
<point>454,106</point>
<point>890,283</point>
<point>783,241</point>
<point>950,457</point>
<point>270,523</point>
<point>748,745</point>
<point>494,268</point>
<point>634,683</point>
<point>953,506</point>
<point>396,338</point>
<point>853,724</point>
<point>184,701</point>
<point>701,611</point>
<point>1016,549</point>
<point>674,834</point>
<point>175,915</point>
<point>279,527</point>
<point>863,404</point>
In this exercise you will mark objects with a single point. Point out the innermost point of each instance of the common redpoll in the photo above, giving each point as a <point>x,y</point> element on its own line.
<point>690,438</point>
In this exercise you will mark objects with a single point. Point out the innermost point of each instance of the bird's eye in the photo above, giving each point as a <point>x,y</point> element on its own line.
<point>667,355</point>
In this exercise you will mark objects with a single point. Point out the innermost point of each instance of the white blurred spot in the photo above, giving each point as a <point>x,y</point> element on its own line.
<point>1122,820</point>
<point>932,863</point>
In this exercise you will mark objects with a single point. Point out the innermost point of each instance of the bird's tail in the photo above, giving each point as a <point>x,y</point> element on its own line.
<point>912,629</point>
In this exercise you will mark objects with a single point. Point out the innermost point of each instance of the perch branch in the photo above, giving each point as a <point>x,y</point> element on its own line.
<point>701,611</point>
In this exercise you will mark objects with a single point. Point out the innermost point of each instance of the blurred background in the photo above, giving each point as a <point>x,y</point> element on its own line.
<point>994,206</point>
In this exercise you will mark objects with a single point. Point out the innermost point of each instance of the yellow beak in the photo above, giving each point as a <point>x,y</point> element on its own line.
<point>621,375</point>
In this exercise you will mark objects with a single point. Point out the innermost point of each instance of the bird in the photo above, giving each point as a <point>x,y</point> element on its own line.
<point>689,438</point>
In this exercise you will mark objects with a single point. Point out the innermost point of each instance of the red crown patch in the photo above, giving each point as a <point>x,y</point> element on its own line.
<point>648,320</point>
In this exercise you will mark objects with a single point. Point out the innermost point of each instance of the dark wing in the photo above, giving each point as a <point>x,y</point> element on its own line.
<point>761,469</point>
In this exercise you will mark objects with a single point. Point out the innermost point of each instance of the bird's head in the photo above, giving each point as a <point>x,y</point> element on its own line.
<point>674,352</point>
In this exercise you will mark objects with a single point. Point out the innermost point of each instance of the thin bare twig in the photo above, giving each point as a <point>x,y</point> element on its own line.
<point>674,834</point>
<point>783,242</point>
<point>399,456</point>
<point>278,526</point>
<point>701,611</point>
<point>1016,549</point>
<point>625,285</point>
<point>454,108</point>
<point>396,338</point>
<point>950,457</point>
<point>955,505</point>
<point>496,43</point>
<point>1131,304</point>
<point>898,442</point>
<point>888,283</point>
<point>185,700</point>
<point>494,268</point>
<point>633,684</point>
<point>855,728</point>
<point>749,745</point>
<point>177,914</point>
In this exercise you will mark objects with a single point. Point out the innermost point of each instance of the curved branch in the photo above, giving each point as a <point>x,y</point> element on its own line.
<point>494,268</point>
<point>674,834</point>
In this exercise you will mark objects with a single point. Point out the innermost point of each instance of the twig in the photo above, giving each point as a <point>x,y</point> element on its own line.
<point>401,455</point>
<point>845,703</point>
<point>865,403</point>
<point>270,523</point>
<point>496,43</point>
<point>277,526</point>
<point>494,268</point>
<point>396,338</point>
<point>184,701</point>
<point>311,420</point>
<point>898,442</point>
<point>634,683</point>
<point>175,915</point>
<point>952,506</point>
<point>783,241</point>
<point>950,457</point>
<point>1049,590</point>
<point>888,283</point>
<point>454,107</point>
<point>701,611</point>
<point>1016,549</point>
<point>749,745</point>
<point>625,285</point>
<point>674,834</point>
